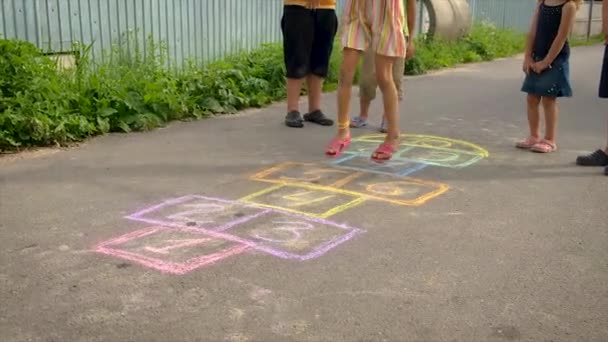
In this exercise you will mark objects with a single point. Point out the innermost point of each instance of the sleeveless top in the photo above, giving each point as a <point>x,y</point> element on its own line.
<point>323,4</point>
<point>549,20</point>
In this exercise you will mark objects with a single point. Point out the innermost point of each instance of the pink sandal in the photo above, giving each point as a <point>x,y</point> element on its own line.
<point>384,149</point>
<point>528,142</point>
<point>544,146</point>
<point>338,146</point>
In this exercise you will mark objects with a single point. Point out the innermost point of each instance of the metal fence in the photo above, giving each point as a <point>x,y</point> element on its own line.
<point>199,29</point>
<point>514,14</point>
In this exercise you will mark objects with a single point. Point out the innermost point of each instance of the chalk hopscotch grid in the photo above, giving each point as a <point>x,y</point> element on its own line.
<point>220,232</point>
<point>138,216</point>
<point>110,247</point>
<point>372,168</point>
<point>418,164</point>
<point>243,244</point>
<point>349,204</point>
<point>337,188</point>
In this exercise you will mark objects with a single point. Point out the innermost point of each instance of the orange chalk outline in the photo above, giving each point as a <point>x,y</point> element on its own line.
<point>261,176</point>
<point>336,187</point>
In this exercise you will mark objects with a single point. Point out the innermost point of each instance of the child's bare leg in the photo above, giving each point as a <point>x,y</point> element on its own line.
<point>350,57</point>
<point>367,83</point>
<point>384,73</point>
<point>294,88</point>
<point>551,113</point>
<point>315,87</point>
<point>534,115</point>
<point>364,104</point>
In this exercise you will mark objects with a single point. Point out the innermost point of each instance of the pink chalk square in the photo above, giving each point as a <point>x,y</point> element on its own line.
<point>193,211</point>
<point>170,250</point>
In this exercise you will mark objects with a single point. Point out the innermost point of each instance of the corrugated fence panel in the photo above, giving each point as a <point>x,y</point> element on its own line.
<point>514,14</point>
<point>200,30</point>
<point>191,29</point>
<point>18,20</point>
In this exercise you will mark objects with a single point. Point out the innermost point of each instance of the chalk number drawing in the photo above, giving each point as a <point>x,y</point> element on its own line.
<point>289,218</point>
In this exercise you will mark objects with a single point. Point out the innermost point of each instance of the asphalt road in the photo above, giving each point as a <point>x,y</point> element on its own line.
<point>178,234</point>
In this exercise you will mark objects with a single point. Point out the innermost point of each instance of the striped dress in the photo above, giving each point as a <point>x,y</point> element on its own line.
<point>375,24</point>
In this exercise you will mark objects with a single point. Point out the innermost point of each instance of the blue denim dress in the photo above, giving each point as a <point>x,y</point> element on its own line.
<point>554,81</point>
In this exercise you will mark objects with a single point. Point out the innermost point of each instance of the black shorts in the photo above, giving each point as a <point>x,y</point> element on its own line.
<point>308,40</point>
<point>604,76</point>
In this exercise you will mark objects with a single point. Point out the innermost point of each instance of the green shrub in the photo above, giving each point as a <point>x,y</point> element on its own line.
<point>485,42</point>
<point>127,90</point>
<point>35,101</point>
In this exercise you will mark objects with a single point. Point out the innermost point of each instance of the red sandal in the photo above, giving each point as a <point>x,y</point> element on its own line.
<point>384,149</point>
<point>544,146</point>
<point>337,146</point>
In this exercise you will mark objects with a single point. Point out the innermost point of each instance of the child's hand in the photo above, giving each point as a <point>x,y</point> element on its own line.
<point>541,66</point>
<point>528,62</point>
<point>411,50</point>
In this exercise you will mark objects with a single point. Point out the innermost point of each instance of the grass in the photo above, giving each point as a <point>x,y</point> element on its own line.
<point>591,41</point>
<point>42,105</point>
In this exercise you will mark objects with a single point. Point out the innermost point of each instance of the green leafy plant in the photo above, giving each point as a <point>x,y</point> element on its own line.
<point>485,42</point>
<point>132,90</point>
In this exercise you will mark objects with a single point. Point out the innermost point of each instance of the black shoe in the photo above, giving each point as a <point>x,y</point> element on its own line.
<point>606,171</point>
<point>597,158</point>
<point>319,118</point>
<point>294,119</point>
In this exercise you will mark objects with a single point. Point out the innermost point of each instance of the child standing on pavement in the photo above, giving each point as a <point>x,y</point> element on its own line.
<point>546,64</point>
<point>377,25</point>
<point>309,28</point>
<point>368,83</point>
<point>600,157</point>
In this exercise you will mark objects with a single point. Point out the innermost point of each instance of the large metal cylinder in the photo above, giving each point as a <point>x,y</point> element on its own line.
<point>448,19</point>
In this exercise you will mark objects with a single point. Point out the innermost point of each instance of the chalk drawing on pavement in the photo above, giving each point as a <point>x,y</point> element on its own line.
<point>299,196</point>
<point>361,162</point>
<point>291,236</point>
<point>176,246</point>
<point>305,199</point>
<point>288,219</point>
<point>198,211</point>
<point>170,250</point>
<point>301,173</point>
<point>414,154</point>
<point>405,191</point>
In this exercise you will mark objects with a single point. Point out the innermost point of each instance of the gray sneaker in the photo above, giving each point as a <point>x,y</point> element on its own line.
<point>294,119</point>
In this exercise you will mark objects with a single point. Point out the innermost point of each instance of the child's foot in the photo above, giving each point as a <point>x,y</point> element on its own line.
<point>358,122</point>
<point>341,142</point>
<point>385,151</point>
<point>338,145</point>
<point>319,118</point>
<point>294,119</point>
<point>528,142</point>
<point>597,158</point>
<point>544,146</point>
